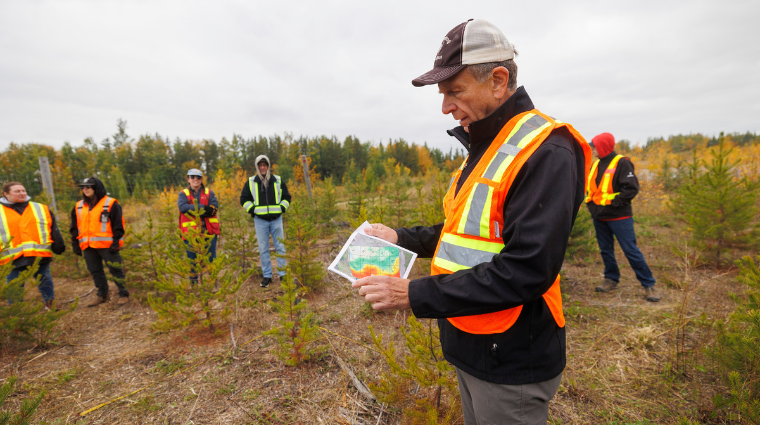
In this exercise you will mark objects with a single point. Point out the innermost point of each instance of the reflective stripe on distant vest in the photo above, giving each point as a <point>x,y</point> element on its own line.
<point>474,217</point>
<point>187,221</point>
<point>93,232</point>
<point>28,234</point>
<point>264,208</point>
<point>602,194</point>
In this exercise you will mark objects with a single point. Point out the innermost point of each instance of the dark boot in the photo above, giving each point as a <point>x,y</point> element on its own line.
<point>98,301</point>
<point>607,286</point>
<point>651,295</point>
<point>265,282</point>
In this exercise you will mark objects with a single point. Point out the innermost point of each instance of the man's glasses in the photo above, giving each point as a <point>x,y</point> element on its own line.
<point>195,177</point>
<point>86,187</point>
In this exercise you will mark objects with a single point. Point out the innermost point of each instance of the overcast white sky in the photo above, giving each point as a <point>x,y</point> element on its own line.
<point>207,69</point>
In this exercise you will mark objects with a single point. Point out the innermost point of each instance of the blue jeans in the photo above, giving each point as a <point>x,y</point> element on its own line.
<point>211,254</point>
<point>46,281</point>
<point>263,230</point>
<point>626,237</point>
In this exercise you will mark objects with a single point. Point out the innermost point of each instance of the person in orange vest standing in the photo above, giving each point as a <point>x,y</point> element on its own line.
<point>27,231</point>
<point>494,285</point>
<point>97,234</point>
<point>197,197</point>
<point>610,188</point>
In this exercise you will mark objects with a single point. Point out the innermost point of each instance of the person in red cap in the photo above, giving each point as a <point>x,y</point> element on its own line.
<point>494,283</point>
<point>610,188</point>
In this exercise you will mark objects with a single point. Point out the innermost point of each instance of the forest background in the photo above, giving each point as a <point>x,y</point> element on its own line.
<point>685,360</point>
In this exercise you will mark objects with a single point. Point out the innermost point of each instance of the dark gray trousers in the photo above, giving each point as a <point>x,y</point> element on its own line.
<point>485,403</point>
<point>94,258</point>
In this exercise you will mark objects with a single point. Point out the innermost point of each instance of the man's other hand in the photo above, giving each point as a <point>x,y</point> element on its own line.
<point>383,232</point>
<point>384,292</point>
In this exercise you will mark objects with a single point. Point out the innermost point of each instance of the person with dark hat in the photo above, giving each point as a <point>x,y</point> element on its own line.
<point>494,285</point>
<point>265,197</point>
<point>28,231</point>
<point>610,188</point>
<point>97,234</point>
<point>201,200</point>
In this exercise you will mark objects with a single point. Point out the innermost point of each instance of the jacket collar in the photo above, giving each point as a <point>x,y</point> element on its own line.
<point>485,130</point>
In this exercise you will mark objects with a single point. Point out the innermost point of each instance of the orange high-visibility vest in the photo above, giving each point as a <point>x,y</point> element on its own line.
<point>94,224</point>
<point>474,217</point>
<point>187,221</point>
<point>28,234</point>
<point>602,194</point>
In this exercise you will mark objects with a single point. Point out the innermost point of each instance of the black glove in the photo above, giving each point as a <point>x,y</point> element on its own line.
<point>617,203</point>
<point>114,247</point>
<point>76,248</point>
<point>209,211</point>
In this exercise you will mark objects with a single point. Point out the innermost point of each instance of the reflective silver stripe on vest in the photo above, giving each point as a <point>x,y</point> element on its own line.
<point>510,148</point>
<point>464,256</point>
<point>40,212</point>
<point>3,231</point>
<point>80,205</point>
<point>477,205</point>
<point>98,239</point>
<point>103,226</point>
<point>254,187</point>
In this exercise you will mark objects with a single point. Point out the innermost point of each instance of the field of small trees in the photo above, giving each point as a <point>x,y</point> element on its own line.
<point>311,351</point>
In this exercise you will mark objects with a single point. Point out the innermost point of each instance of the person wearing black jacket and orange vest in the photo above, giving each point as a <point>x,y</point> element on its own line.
<point>97,234</point>
<point>610,188</point>
<point>202,200</point>
<point>265,197</point>
<point>494,284</point>
<point>28,230</point>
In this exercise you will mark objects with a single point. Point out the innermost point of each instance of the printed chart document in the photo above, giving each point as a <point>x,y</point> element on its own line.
<point>364,255</point>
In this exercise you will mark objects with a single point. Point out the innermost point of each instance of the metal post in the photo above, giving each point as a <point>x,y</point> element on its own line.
<point>305,164</point>
<point>47,181</point>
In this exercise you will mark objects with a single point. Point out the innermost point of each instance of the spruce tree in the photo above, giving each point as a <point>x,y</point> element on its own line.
<point>194,291</point>
<point>144,253</point>
<point>326,205</point>
<point>300,241</point>
<point>582,244</point>
<point>397,190</point>
<point>719,207</point>
<point>27,409</point>
<point>296,331</point>
<point>357,204</point>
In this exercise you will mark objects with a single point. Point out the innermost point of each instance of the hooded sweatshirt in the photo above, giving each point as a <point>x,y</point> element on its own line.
<point>58,247</point>
<point>624,181</point>
<point>114,212</point>
<point>266,190</point>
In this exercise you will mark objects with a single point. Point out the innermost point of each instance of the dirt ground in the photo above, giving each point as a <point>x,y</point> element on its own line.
<point>624,355</point>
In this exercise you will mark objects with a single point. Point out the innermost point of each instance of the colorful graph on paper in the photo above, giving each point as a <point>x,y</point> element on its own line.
<point>374,261</point>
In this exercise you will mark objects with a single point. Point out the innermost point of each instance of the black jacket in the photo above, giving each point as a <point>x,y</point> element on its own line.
<point>265,193</point>
<point>539,212</point>
<point>624,181</point>
<point>58,246</point>
<point>114,214</point>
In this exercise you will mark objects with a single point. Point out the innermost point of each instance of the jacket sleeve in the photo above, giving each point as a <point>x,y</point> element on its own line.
<point>117,225</point>
<point>183,203</point>
<point>285,202</point>
<point>73,229</point>
<point>212,200</point>
<point>421,240</point>
<point>538,215</point>
<point>246,198</point>
<point>59,246</point>
<point>626,182</point>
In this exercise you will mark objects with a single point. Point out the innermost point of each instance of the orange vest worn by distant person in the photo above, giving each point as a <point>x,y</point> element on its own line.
<point>28,234</point>
<point>474,217</point>
<point>602,194</point>
<point>187,221</point>
<point>94,225</point>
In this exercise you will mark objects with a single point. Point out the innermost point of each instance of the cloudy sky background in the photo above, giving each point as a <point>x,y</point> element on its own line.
<point>207,69</point>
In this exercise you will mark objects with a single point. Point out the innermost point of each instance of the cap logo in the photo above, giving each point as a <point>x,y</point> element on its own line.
<point>445,40</point>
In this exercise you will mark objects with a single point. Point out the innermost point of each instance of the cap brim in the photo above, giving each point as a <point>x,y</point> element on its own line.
<point>436,75</point>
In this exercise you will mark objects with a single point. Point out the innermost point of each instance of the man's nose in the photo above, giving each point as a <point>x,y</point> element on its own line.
<point>448,107</point>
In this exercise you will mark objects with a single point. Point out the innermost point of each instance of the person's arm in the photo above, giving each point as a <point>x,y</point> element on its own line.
<point>538,214</point>
<point>626,181</point>
<point>212,200</point>
<point>183,203</point>
<point>422,240</point>
<point>246,198</point>
<point>285,202</point>
<point>117,224</point>
<point>73,229</point>
<point>58,246</point>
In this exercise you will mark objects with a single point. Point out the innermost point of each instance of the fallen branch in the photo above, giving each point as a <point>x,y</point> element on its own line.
<point>354,380</point>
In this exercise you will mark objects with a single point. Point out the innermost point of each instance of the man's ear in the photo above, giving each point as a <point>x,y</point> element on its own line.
<point>500,80</point>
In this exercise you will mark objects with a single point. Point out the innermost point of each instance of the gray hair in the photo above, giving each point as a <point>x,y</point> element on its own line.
<point>482,71</point>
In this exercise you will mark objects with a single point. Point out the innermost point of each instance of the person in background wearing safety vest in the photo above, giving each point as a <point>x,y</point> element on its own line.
<point>97,234</point>
<point>265,197</point>
<point>28,230</point>
<point>610,188</point>
<point>197,197</point>
<point>509,209</point>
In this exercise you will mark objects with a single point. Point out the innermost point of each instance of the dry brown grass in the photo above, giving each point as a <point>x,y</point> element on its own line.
<point>618,349</point>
